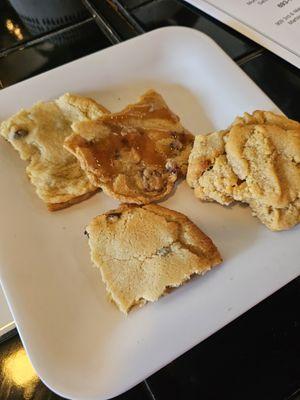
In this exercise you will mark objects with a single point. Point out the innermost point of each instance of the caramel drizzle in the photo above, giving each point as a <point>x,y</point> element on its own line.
<point>105,152</point>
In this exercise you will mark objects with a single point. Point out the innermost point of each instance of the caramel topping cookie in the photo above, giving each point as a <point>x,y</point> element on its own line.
<point>135,155</point>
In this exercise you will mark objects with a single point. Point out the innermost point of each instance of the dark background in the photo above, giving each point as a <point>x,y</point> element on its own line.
<point>257,356</point>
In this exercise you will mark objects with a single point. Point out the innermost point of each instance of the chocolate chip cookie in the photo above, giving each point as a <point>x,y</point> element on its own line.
<point>38,135</point>
<point>142,251</point>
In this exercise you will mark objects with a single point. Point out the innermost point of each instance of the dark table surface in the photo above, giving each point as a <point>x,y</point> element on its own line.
<point>257,356</point>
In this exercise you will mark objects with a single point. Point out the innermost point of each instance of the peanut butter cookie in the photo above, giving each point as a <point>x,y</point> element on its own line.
<point>255,161</point>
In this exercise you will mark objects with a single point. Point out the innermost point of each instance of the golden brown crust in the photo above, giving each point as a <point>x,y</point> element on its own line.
<point>38,135</point>
<point>77,108</point>
<point>192,237</point>
<point>256,161</point>
<point>135,155</point>
<point>142,251</point>
<point>75,200</point>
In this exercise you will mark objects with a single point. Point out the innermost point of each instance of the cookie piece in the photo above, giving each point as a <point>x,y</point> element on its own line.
<point>135,155</point>
<point>38,135</point>
<point>255,161</point>
<point>142,251</point>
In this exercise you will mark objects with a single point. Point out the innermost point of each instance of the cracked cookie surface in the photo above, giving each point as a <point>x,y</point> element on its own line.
<point>38,135</point>
<point>255,161</point>
<point>135,155</point>
<point>142,251</point>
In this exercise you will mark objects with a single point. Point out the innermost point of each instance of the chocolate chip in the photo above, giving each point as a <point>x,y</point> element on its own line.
<point>172,167</point>
<point>86,233</point>
<point>174,135</point>
<point>176,145</point>
<point>117,155</point>
<point>125,141</point>
<point>163,251</point>
<point>20,133</point>
<point>113,217</point>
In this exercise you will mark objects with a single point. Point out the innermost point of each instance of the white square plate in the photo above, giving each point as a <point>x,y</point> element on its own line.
<point>6,319</point>
<point>81,345</point>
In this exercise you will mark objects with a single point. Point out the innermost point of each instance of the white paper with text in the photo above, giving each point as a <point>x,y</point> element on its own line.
<point>275,24</point>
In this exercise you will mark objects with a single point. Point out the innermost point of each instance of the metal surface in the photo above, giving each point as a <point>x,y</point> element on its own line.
<point>104,25</point>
